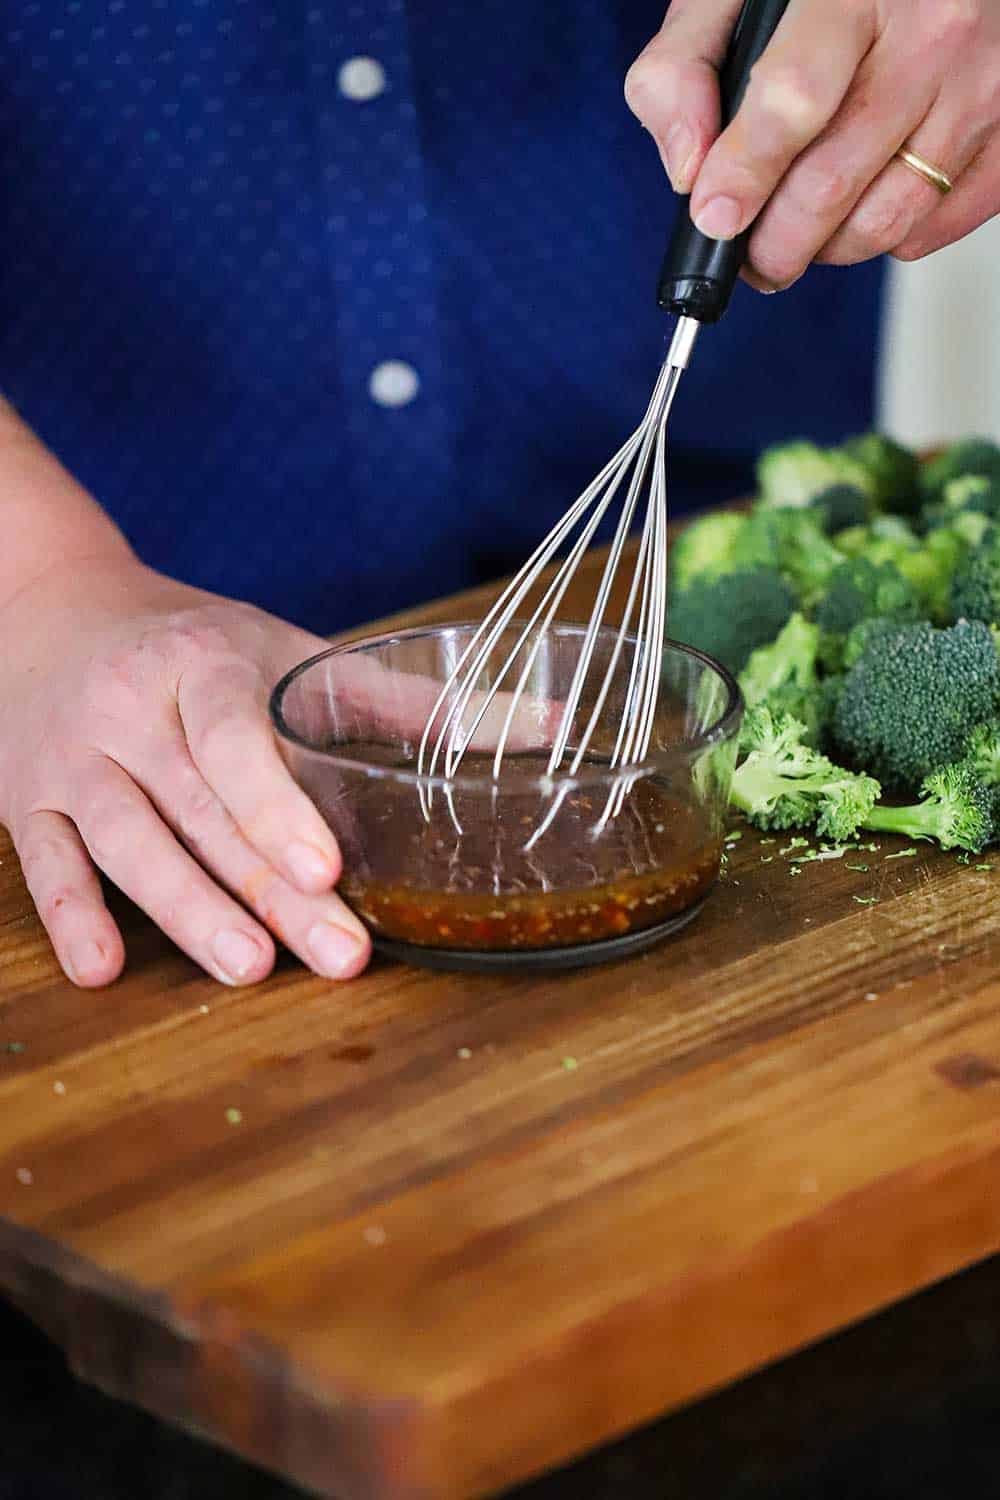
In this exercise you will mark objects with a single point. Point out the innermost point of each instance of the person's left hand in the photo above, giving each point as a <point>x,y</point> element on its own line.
<point>809,158</point>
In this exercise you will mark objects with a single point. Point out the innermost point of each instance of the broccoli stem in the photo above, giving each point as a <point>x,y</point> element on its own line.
<point>924,820</point>
<point>757,785</point>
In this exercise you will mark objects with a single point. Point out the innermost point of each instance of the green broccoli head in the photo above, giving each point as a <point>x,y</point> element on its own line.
<point>783,675</point>
<point>885,539</point>
<point>928,563</point>
<point>792,541</point>
<point>894,471</point>
<point>973,455</point>
<point>975,588</point>
<point>793,474</point>
<point>982,753</point>
<point>704,548</point>
<point>861,590</point>
<point>969,495</point>
<point>912,696</point>
<point>784,783</point>
<point>730,616</point>
<point>955,808</point>
<point>840,507</point>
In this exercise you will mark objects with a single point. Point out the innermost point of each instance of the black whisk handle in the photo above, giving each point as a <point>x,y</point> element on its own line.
<point>699,273</point>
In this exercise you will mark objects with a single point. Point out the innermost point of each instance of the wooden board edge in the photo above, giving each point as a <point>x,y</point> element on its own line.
<point>896,1238</point>
<point>204,1374</point>
<point>198,1369</point>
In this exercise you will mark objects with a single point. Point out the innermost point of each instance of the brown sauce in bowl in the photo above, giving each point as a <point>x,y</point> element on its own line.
<point>425,883</point>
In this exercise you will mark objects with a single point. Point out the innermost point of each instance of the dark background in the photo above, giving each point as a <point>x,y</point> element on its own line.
<point>905,1406</point>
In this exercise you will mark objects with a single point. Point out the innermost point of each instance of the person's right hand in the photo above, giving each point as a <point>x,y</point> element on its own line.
<point>810,161</point>
<point>135,738</point>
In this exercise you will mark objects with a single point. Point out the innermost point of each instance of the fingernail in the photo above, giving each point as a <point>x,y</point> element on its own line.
<point>676,152</point>
<point>719,219</point>
<point>236,954</point>
<point>308,866</point>
<point>85,959</point>
<point>333,948</point>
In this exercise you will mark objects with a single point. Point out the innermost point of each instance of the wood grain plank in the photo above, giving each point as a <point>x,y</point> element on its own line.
<point>465,1226</point>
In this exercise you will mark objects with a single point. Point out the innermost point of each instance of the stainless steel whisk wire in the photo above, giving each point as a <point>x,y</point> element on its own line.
<point>645,453</point>
<point>696,282</point>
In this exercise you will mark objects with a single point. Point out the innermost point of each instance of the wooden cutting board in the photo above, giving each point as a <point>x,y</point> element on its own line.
<point>462,1228</point>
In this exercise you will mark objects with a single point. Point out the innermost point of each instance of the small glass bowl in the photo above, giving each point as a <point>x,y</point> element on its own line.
<point>528,870</point>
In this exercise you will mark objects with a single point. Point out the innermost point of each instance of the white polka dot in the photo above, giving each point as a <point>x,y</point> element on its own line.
<point>361,78</point>
<point>393,383</point>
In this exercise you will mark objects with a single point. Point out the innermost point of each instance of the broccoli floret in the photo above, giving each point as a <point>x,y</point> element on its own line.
<point>731,616</point>
<point>969,495</point>
<point>930,569</point>
<point>973,492</point>
<point>793,474</point>
<point>886,539</point>
<point>783,783</point>
<point>793,542</point>
<point>982,753</point>
<point>704,548</point>
<point>893,470</point>
<point>927,563</point>
<point>839,507</point>
<point>955,809</point>
<point>861,637</point>
<point>970,456</point>
<point>913,695</point>
<point>783,676</point>
<point>975,588</point>
<point>860,590</point>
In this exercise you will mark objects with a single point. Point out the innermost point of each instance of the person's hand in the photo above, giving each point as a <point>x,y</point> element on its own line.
<point>809,158</point>
<point>135,738</point>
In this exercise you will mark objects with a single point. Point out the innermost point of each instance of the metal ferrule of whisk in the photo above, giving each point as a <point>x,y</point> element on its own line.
<point>637,472</point>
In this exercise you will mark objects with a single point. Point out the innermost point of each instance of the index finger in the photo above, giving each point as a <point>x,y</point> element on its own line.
<point>794,91</point>
<point>673,86</point>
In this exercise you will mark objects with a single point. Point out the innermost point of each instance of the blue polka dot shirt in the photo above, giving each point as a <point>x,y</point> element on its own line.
<point>337,304</point>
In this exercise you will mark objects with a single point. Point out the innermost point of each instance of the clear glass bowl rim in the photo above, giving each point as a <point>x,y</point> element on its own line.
<point>724,726</point>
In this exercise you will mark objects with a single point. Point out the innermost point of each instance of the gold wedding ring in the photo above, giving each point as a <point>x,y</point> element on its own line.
<point>925,169</point>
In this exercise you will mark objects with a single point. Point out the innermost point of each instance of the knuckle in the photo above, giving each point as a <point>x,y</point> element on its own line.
<point>986,103</point>
<point>788,93</point>
<point>821,188</point>
<point>950,23</point>
<point>221,734</point>
<point>113,686</point>
<point>197,809</point>
<point>774,267</point>
<point>193,632</point>
<point>911,250</point>
<point>105,820</point>
<point>641,82</point>
<point>880,223</point>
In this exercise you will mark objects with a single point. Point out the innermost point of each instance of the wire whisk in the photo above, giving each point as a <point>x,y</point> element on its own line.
<point>696,283</point>
<point>638,470</point>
